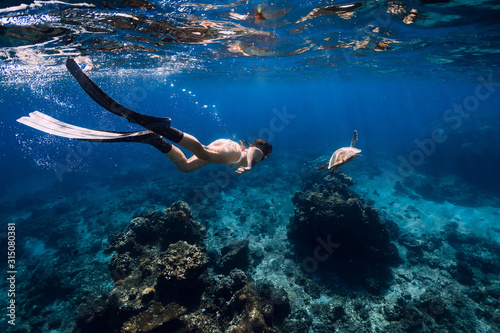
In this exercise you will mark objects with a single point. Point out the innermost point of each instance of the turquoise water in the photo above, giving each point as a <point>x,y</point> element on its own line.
<point>418,80</point>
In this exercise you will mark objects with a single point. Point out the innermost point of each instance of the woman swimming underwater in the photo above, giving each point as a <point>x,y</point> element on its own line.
<point>222,151</point>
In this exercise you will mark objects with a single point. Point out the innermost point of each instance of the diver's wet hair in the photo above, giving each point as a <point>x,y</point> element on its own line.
<point>264,146</point>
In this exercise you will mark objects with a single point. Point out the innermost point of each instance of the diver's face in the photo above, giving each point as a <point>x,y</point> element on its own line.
<point>259,157</point>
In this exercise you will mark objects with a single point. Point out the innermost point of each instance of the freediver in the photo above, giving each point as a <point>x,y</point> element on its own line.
<point>222,151</point>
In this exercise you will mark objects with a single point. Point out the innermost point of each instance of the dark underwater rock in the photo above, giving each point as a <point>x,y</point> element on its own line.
<point>335,232</point>
<point>152,229</point>
<point>418,249</point>
<point>182,266</point>
<point>278,300</point>
<point>462,273</point>
<point>231,304</point>
<point>182,262</point>
<point>160,228</point>
<point>234,255</point>
<point>156,315</point>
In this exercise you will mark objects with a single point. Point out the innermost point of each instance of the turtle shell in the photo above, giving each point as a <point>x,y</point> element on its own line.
<point>342,156</point>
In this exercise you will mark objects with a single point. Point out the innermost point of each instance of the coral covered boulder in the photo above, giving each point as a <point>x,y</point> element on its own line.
<point>182,262</point>
<point>163,284</point>
<point>152,229</point>
<point>181,277</point>
<point>336,233</point>
<point>169,226</point>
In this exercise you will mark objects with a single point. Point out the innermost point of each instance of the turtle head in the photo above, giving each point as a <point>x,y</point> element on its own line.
<point>355,154</point>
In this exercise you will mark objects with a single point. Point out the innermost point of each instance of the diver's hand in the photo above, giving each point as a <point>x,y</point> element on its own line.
<point>241,170</point>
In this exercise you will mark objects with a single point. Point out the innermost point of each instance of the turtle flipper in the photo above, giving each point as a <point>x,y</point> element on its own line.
<point>323,167</point>
<point>354,138</point>
<point>334,169</point>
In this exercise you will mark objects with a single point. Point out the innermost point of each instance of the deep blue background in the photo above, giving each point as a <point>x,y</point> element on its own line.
<point>389,115</point>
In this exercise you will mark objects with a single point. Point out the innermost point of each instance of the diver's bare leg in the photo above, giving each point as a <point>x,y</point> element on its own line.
<point>192,144</point>
<point>184,164</point>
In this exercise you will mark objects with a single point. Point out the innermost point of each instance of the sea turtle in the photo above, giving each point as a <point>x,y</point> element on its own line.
<point>342,156</point>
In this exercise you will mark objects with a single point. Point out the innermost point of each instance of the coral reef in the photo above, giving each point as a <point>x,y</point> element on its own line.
<point>335,232</point>
<point>163,283</point>
<point>160,273</point>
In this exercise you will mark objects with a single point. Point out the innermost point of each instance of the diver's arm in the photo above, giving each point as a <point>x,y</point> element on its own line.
<point>242,146</point>
<point>254,155</point>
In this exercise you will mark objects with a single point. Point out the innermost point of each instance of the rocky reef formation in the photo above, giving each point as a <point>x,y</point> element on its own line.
<point>163,283</point>
<point>337,234</point>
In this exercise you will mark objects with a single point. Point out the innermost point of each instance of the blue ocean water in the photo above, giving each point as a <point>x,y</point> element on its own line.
<point>418,80</point>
